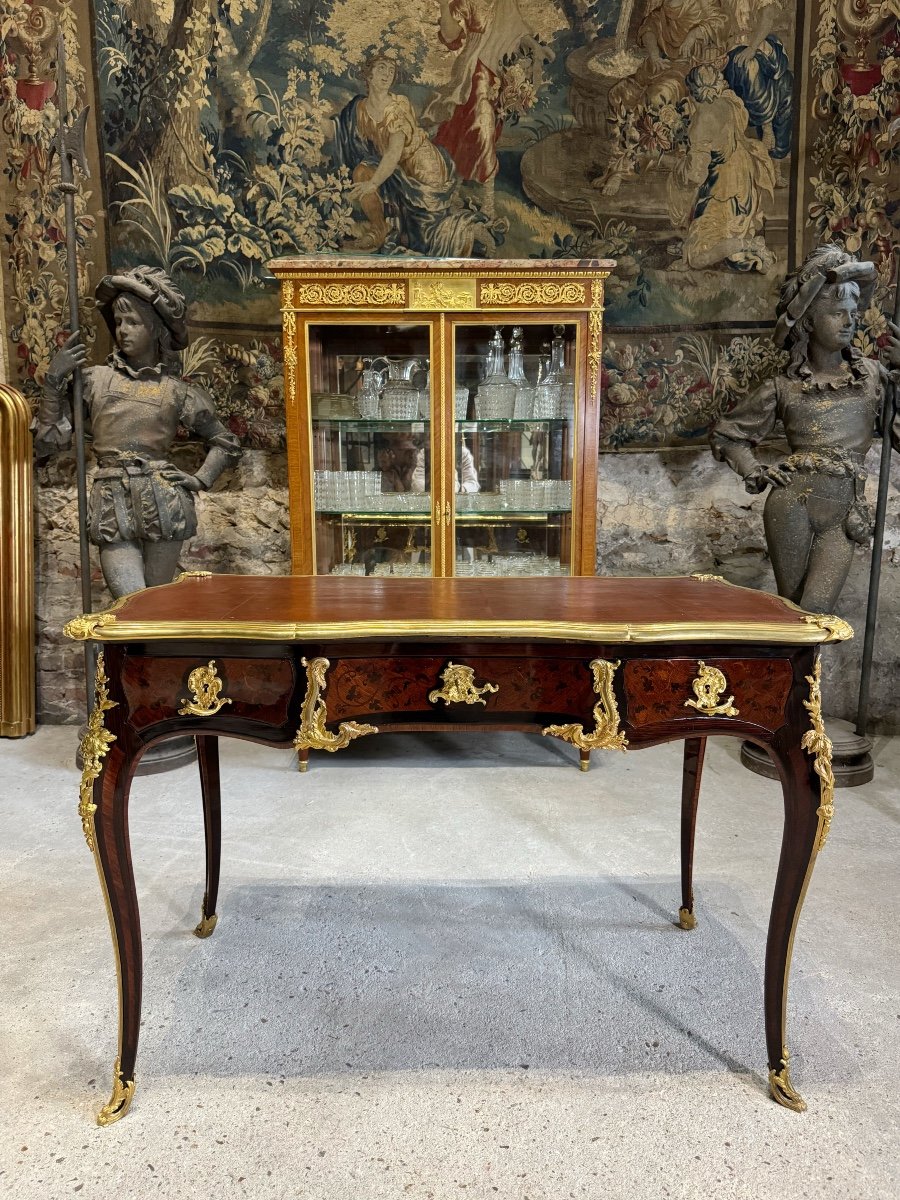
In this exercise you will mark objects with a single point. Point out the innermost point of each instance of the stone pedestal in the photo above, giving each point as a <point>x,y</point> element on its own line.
<point>590,87</point>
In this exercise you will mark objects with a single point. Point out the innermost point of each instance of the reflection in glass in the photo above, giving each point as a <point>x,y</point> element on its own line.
<point>522,445</point>
<point>370,403</point>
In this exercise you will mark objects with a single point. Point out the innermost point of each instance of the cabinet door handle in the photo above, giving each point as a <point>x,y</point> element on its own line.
<point>447,513</point>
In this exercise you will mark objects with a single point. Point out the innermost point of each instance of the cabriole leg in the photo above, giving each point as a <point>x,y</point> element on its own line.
<point>802,753</point>
<point>112,854</point>
<point>208,760</point>
<point>694,751</point>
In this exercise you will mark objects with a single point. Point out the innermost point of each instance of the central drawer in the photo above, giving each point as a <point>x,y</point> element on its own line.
<point>428,685</point>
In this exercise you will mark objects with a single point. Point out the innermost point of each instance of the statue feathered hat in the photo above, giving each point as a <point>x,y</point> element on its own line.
<point>155,288</point>
<point>823,267</point>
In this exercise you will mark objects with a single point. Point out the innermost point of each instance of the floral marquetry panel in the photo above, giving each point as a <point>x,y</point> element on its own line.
<point>658,691</point>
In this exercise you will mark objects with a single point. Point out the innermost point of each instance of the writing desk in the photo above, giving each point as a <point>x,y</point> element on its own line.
<point>314,662</point>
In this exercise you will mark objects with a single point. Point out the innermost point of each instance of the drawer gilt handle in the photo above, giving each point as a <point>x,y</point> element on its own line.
<point>205,686</point>
<point>708,687</point>
<point>459,687</point>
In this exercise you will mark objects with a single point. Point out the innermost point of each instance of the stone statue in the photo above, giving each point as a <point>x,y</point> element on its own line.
<point>830,401</point>
<point>141,505</point>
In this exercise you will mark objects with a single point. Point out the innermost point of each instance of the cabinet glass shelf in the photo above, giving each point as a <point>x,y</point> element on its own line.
<point>368,425</point>
<point>463,515</point>
<point>379,514</point>
<point>501,425</point>
<point>507,514</point>
<point>373,425</point>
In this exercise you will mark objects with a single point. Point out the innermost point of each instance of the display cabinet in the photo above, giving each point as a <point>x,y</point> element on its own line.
<point>442,414</point>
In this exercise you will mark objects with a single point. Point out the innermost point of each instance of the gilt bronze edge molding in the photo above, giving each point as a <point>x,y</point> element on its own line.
<point>85,627</point>
<point>95,745</point>
<point>107,627</point>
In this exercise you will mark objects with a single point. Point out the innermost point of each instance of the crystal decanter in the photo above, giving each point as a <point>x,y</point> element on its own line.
<point>496,396</point>
<point>524,390</point>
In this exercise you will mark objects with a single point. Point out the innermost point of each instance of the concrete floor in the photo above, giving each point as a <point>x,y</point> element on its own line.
<point>445,967</point>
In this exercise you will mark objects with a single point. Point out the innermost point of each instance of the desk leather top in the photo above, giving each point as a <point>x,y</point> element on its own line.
<point>297,607</point>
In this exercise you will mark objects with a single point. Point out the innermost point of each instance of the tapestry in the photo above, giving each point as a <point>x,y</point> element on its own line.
<point>703,144</point>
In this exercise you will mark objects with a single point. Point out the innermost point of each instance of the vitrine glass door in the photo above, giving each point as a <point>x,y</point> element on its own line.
<point>370,407</point>
<point>514,395</point>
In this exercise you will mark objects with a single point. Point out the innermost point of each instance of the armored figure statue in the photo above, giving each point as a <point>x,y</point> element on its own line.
<point>830,401</point>
<point>141,505</point>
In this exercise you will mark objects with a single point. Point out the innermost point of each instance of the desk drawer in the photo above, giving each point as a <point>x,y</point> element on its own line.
<point>658,690</point>
<point>252,689</point>
<point>362,688</point>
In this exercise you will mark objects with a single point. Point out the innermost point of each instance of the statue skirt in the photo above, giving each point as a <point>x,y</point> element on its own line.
<point>132,501</point>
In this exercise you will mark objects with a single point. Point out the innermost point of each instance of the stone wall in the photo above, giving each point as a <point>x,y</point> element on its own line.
<point>675,512</point>
<point>661,513</point>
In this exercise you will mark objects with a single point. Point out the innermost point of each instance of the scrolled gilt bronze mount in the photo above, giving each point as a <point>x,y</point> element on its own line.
<point>313,734</point>
<point>606,734</point>
<point>817,742</point>
<point>95,744</point>
<point>120,1100</point>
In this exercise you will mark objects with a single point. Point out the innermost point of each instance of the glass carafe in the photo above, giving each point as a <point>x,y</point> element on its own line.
<point>400,398</point>
<point>368,397</point>
<point>517,377</point>
<point>547,390</point>
<point>564,374</point>
<point>496,396</point>
<point>424,392</point>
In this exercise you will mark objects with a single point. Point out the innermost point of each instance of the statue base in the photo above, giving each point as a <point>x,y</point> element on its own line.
<point>165,756</point>
<point>851,758</point>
